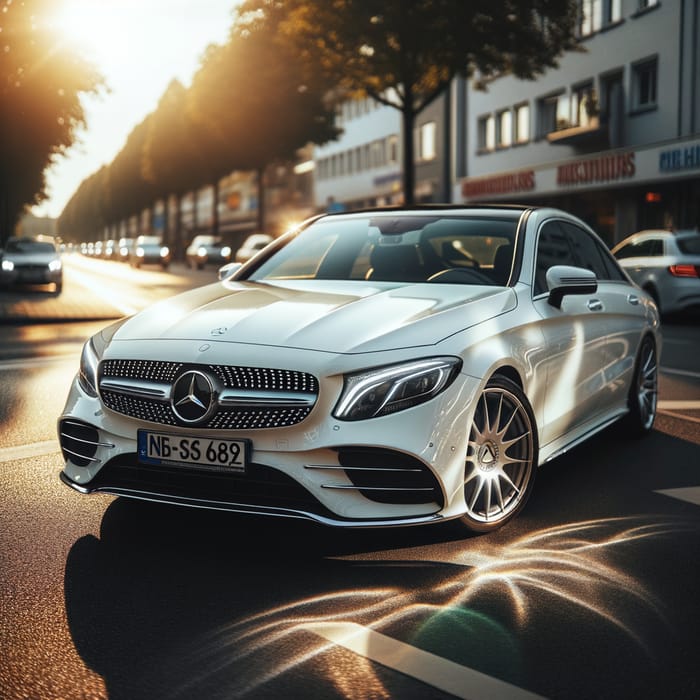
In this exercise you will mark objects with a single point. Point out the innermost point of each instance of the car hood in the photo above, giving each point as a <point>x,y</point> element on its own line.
<point>335,317</point>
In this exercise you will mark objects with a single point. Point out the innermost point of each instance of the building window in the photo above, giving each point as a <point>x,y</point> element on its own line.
<point>393,149</point>
<point>505,128</point>
<point>552,114</point>
<point>427,137</point>
<point>584,104</point>
<point>522,123</point>
<point>593,15</point>
<point>644,83</point>
<point>487,133</point>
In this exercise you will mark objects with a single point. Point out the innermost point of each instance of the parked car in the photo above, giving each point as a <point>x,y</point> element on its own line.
<point>378,368</point>
<point>664,264</point>
<point>31,261</point>
<point>252,245</point>
<point>125,248</point>
<point>149,250</point>
<point>207,250</point>
<point>110,250</point>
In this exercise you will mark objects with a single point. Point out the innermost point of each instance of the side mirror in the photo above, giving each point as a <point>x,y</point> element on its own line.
<point>228,271</point>
<point>564,279</point>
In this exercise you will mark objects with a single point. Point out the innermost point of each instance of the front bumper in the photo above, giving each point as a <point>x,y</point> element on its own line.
<point>402,469</point>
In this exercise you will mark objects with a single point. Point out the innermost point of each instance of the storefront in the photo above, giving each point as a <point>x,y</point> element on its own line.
<point>616,192</point>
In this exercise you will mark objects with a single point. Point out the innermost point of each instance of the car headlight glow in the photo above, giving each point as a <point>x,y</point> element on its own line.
<point>55,265</point>
<point>202,252</point>
<point>164,251</point>
<point>8,265</point>
<point>139,252</point>
<point>385,390</point>
<point>226,252</point>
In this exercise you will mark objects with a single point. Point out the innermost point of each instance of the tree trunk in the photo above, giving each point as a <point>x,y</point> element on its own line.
<point>215,208</point>
<point>261,198</point>
<point>409,173</point>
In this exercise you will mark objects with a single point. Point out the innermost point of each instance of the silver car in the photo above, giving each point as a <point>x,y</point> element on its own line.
<point>664,264</point>
<point>31,261</point>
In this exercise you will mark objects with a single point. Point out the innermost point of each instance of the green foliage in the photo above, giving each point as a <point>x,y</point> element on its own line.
<point>41,80</point>
<point>404,53</point>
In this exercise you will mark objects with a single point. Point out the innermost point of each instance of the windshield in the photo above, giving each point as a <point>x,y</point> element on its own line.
<point>29,246</point>
<point>398,248</point>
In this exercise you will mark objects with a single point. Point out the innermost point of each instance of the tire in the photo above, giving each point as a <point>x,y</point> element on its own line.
<point>644,390</point>
<point>501,460</point>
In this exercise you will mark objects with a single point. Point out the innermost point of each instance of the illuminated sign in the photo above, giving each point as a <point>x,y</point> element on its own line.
<point>684,158</point>
<point>523,181</point>
<point>607,168</point>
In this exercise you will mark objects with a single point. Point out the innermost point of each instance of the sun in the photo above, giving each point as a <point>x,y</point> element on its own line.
<point>97,29</point>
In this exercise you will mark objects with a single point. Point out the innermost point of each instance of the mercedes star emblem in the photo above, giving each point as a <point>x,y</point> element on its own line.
<point>193,396</point>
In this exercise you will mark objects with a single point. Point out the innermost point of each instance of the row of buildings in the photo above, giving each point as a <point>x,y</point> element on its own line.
<point>612,134</point>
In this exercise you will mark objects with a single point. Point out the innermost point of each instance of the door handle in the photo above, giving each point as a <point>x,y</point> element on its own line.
<point>633,299</point>
<point>595,305</point>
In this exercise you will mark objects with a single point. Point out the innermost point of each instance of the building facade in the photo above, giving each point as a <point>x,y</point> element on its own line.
<point>612,134</point>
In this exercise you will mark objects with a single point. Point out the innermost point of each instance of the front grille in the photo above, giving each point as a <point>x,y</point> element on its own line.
<point>276,388</point>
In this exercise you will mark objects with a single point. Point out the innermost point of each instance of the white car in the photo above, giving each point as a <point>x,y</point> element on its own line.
<point>252,246</point>
<point>666,265</point>
<point>378,368</point>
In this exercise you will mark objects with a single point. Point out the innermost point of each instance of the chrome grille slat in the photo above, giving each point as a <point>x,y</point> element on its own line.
<point>250,398</point>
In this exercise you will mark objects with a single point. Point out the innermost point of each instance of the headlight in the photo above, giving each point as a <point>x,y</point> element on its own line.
<point>55,265</point>
<point>202,252</point>
<point>164,251</point>
<point>139,252</point>
<point>88,368</point>
<point>385,390</point>
<point>226,252</point>
<point>8,265</point>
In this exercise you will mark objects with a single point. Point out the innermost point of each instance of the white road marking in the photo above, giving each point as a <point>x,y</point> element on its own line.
<point>434,670</point>
<point>678,405</point>
<point>691,494</point>
<point>35,449</point>
<point>681,372</point>
<point>27,362</point>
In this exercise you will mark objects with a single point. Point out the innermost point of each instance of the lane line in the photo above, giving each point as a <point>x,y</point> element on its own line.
<point>691,494</point>
<point>34,449</point>
<point>681,372</point>
<point>680,405</point>
<point>27,362</point>
<point>441,673</point>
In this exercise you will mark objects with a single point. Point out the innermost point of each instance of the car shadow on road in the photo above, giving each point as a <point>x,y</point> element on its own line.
<point>178,603</point>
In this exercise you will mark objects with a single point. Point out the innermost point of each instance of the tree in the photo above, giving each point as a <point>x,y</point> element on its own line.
<point>171,151</point>
<point>405,53</point>
<point>255,105</point>
<point>41,81</point>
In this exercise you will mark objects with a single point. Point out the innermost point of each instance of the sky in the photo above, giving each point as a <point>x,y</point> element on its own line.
<point>139,46</point>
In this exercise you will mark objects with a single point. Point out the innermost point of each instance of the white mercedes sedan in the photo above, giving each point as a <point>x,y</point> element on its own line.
<point>377,368</point>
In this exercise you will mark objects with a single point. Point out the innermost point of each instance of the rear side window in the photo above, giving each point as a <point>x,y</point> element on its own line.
<point>648,248</point>
<point>689,246</point>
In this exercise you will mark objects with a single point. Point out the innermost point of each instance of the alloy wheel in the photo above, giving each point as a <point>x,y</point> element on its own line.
<point>500,462</point>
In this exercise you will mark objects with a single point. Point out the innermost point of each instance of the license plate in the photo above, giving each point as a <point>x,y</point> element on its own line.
<point>184,450</point>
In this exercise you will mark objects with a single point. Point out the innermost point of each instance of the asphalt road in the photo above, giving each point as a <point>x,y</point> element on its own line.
<point>590,593</point>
